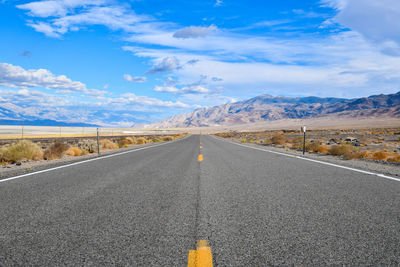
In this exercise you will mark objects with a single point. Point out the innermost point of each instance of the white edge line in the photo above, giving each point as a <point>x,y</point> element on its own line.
<point>85,161</point>
<point>313,160</point>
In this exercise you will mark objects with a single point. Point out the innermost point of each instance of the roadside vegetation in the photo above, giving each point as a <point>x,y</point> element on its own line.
<point>26,150</point>
<point>381,145</point>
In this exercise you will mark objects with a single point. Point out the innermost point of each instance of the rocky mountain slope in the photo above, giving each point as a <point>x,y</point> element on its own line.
<point>268,108</point>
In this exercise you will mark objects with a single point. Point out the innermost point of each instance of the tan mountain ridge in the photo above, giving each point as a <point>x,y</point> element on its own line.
<point>270,108</point>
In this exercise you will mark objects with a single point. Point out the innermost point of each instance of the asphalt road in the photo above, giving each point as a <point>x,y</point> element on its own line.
<point>149,207</point>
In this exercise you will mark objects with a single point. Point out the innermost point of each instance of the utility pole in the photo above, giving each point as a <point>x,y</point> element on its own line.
<point>98,142</point>
<point>22,134</point>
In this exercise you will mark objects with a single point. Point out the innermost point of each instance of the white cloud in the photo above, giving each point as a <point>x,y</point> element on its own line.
<point>194,32</point>
<point>191,89</point>
<point>70,15</point>
<point>17,77</point>
<point>23,92</point>
<point>194,89</point>
<point>56,8</point>
<point>165,65</point>
<point>131,98</point>
<point>376,20</point>
<point>168,89</point>
<point>218,3</point>
<point>342,63</point>
<point>136,79</point>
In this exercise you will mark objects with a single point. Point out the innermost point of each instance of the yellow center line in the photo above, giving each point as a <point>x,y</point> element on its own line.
<point>200,158</point>
<point>201,147</point>
<point>202,256</point>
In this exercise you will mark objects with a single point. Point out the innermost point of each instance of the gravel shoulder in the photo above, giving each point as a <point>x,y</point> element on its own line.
<point>381,167</point>
<point>11,170</point>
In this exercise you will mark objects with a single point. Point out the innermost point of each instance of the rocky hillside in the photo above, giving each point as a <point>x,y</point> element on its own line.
<point>268,108</point>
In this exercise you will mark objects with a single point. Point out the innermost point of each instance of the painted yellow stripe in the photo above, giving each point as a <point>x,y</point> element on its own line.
<point>201,147</point>
<point>192,258</point>
<point>200,158</point>
<point>202,257</point>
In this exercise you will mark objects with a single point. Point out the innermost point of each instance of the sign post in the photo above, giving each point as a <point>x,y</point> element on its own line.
<point>303,130</point>
<point>98,142</point>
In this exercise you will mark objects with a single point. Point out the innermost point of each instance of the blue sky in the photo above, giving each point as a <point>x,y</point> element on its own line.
<point>114,62</point>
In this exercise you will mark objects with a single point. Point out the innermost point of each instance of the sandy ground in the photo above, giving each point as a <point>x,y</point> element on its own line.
<point>381,167</point>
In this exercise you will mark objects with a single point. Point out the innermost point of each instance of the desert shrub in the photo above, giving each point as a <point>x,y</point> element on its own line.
<point>123,142</point>
<point>278,139</point>
<point>156,139</point>
<point>362,155</point>
<point>88,146</point>
<point>315,147</point>
<point>126,141</point>
<point>74,151</point>
<point>380,155</point>
<point>224,134</point>
<point>108,144</point>
<point>141,141</point>
<point>22,150</point>
<point>339,150</point>
<point>394,159</point>
<point>3,153</point>
<point>131,140</point>
<point>167,138</point>
<point>55,151</point>
<point>296,140</point>
<point>346,151</point>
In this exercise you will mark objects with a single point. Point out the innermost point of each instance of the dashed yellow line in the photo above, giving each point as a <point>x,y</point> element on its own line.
<point>202,256</point>
<point>200,158</point>
<point>201,147</point>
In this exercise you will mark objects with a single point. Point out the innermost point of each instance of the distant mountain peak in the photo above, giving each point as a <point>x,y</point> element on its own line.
<point>268,108</point>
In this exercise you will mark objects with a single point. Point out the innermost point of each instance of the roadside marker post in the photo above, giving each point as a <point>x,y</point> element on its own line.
<point>98,142</point>
<point>303,130</point>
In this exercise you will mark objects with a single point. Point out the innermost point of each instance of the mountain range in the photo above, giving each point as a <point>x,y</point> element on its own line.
<point>258,109</point>
<point>270,108</point>
<point>12,114</point>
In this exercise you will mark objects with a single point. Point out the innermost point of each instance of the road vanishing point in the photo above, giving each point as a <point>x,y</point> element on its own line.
<point>199,201</point>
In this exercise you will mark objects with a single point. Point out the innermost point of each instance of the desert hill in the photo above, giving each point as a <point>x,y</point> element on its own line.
<point>270,108</point>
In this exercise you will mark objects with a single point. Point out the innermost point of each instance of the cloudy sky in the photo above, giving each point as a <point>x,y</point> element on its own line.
<point>144,60</point>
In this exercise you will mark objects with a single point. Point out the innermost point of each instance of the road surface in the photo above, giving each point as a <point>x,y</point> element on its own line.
<point>150,207</point>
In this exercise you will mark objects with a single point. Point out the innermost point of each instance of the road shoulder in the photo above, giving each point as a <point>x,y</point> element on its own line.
<point>390,169</point>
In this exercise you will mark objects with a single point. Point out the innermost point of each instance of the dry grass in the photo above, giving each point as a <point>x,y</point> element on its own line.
<point>156,139</point>
<point>74,151</point>
<point>317,147</point>
<point>167,138</point>
<point>363,155</point>
<point>22,150</point>
<point>380,155</point>
<point>55,151</point>
<point>126,142</point>
<point>225,134</point>
<point>88,146</point>
<point>108,144</point>
<point>131,140</point>
<point>278,139</point>
<point>3,153</point>
<point>346,151</point>
<point>394,159</point>
<point>141,141</point>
